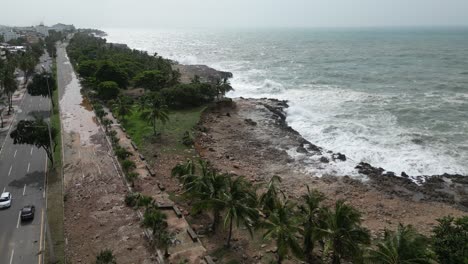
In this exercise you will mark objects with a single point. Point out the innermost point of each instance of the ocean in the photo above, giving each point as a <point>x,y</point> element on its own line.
<point>395,98</point>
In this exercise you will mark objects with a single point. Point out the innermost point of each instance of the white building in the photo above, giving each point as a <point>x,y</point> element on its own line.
<point>43,30</point>
<point>9,34</point>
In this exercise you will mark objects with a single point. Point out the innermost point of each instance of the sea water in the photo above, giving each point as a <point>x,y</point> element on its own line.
<point>396,98</point>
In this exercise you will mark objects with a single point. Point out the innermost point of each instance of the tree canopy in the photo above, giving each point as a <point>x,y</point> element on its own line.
<point>35,132</point>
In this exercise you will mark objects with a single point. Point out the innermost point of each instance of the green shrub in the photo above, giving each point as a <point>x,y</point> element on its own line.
<point>189,95</point>
<point>106,257</point>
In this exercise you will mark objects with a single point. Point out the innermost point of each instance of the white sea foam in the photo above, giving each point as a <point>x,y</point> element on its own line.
<point>366,124</point>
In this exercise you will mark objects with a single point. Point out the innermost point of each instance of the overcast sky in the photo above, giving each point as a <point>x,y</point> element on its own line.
<point>235,13</point>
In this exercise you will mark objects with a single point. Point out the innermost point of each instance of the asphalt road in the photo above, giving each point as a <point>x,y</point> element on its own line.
<point>22,173</point>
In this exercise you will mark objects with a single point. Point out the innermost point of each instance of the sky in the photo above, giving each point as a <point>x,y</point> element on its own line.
<point>235,13</point>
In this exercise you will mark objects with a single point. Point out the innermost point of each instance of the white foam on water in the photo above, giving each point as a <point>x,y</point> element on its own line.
<point>357,124</point>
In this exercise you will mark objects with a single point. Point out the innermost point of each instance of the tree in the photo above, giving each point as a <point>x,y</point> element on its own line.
<point>153,80</point>
<point>175,77</point>
<point>270,199</point>
<point>87,68</point>
<point>35,132</point>
<point>99,110</point>
<point>205,187</point>
<point>128,165</point>
<point>405,246</point>
<point>312,217</point>
<point>344,234</point>
<point>450,240</point>
<point>27,64</point>
<point>239,203</point>
<point>108,90</point>
<point>9,85</point>
<point>223,87</point>
<point>282,225</point>
<point>122,153</point>
<point>106,257</point>
<point>43,84</point>
<point>156,221</point>
<point>122,106</point>
<point>107,123</point>
<point>110,72</point>
<point>155,109</point>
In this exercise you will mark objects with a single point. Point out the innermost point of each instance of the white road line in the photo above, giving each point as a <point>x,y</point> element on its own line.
<point>12,254</point>
<point>32,150</point>
<point>4,188</point>
<point>24,189</point>
<point>29,165</point>
<point>19,218</point>
<point>14,156</point>
<point>9,172</point>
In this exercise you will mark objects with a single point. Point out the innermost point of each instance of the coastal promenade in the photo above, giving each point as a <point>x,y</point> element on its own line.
<point>96,217</point>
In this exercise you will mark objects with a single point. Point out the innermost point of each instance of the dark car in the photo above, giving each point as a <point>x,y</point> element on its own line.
<point>27,213</point>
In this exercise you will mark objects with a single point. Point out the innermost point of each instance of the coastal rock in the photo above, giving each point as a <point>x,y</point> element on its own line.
<point>339,156</point>
<point>324,159</point>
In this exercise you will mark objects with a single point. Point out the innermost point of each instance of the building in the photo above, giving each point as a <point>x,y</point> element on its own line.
<point>32,37</point>
<point>43,30</point>
<point>9,34</point>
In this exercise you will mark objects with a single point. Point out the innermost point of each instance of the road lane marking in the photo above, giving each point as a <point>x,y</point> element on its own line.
<point>14,156</point>
<point>42,234</point>
<point>24,189</point>
<point>31,150</point>
<point>4,188</point>
<point>9,172</point>
<point>12,254</point>
<point>19,217</point>
<point>29,165</point>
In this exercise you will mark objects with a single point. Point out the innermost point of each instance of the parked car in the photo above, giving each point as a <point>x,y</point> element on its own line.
<point>5,200</point>
<point>27,213</point>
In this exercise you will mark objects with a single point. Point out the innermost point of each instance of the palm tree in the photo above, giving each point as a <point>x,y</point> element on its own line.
<point>405,246</point>
<point>208,187</point>
<point>240,205</point>
<point>122,106</point>
<point>154,110</point>
<point>282,225</point>
<point>312,221</point>
<point>271,198</point>
<point>181,169</point>
<point>156,221</point>
<point>128,165</point>
<point>344,234</point>
<point>9,86</point>
<point>205,187</point>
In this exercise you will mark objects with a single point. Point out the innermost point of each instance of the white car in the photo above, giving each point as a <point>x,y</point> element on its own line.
<point>5,200</point>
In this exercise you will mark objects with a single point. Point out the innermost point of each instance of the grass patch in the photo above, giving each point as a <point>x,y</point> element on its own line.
<point>54,190</point>
<point>172,132</point>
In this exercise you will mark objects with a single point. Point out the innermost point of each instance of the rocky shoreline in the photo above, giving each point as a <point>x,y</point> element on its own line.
<point>447,188</point>
<point>251,137</point>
